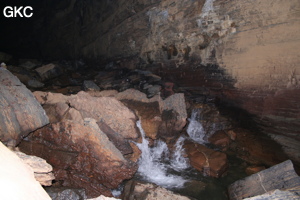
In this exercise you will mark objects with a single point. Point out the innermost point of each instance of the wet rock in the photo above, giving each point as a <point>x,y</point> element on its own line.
<point>81,155</point>
<point>220,139</point>
<point>90,86</point>
<point>209,162</point>
<point>160,118</point>
<point>49,71</point>
<point>148,113</point>
<point>20,112</point>
<point>257,149</point>
<point>42,170</point>
<point>148,191</point>
<point>17,178</point>
<point>63,193</point>
<point>193,188</point>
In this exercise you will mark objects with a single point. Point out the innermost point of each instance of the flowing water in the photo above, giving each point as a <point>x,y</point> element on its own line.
<point>154,163</point>
<point>173,171</point>
<point>195,129</point>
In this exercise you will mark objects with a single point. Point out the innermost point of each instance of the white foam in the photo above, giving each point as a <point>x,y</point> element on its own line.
<point>151,166</point>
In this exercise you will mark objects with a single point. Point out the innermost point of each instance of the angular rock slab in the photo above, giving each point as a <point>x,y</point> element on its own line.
<point>106,109</point>
<point>281,176</point>
<point>81,156</point>
<point>16,178</point>
<point>42,170</point>
<point>20,111</point>
<point>209,162</point>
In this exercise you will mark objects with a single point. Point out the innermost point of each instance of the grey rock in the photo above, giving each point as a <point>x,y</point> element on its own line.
<point>278,195</point>
<point>20,111</point>
<point>49,71</point>
<point>66,193</point>
<point>90,86</point>
<point>35,84</point>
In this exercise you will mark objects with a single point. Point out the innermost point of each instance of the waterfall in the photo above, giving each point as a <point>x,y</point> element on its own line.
<point>153,165</point>
<point>195,130</point>
<point>179,162</point>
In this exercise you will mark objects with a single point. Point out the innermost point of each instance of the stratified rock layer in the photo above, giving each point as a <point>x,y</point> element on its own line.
<point>20,112</point>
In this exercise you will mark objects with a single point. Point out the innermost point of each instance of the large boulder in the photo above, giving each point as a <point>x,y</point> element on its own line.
<point>20,112</point>
<point>106,109</point>
<point>113,118</point>
<point>81,155</point>
<point>17,179</point>
<point>257,149</point>
<point>209,162</point>
<point>49,71</point>
<point>160,118</point>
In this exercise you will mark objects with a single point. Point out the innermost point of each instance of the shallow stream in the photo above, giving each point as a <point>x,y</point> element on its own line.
<point>172,170</point>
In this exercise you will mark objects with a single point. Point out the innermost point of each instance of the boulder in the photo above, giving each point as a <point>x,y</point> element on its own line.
<point>81,155</point>
<point>256,149</point>
<point>209,162</point>
<point>148,191</point>
<point>49,71</point>
<point>17,179</point>
<point>64,193</point>
<point>113,118</point>
<point>20,112</point>
<point>220,139</point>
<point>174,116</point>
<point>281,177</point>
<point>42,170</point>
<point>160,118</point>
<point>90,86</point>
<point>107,109</point>
<point>277,195</point>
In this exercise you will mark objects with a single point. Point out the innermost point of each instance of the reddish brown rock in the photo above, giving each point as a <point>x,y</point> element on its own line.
<point>257,149</point>
<point>81,156</point>
<point>220,139</point>
<point>160,118</point>
<point>208,161</point>
<point>20,112</point>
